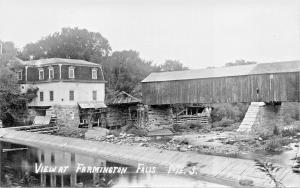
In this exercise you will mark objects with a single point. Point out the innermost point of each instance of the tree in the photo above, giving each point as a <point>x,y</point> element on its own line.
<point>125,69</point>
<point>8,54</point>
<point>73,43</point>
<point>13,104</point>
<point>172,65</point>
<point>240,62</point>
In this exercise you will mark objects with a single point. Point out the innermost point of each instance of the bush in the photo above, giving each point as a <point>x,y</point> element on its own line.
<point>275,144</point>
<point>234,112</point>
<point>290,130</point>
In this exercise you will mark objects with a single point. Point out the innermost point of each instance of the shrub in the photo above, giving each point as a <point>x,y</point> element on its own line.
<point>275,144</point>
<point>235,112</point>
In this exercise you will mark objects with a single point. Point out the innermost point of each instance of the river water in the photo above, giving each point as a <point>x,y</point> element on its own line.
<point>27,166</point>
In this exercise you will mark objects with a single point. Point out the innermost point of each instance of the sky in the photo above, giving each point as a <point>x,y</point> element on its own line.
<point>198,33</point>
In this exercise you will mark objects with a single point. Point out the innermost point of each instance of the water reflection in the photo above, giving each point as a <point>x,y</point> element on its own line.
<point>26,166</point>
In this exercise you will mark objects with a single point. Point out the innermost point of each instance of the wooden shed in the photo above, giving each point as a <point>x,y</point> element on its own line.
<point>125,109</point>
<point>266,82</point>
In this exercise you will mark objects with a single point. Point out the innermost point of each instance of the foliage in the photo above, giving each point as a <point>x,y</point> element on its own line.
<point>235,112</point>
<point>124,70</point>
<point>71,43</point>
<point>270,170</point>
<point>290,131</point>
<point>240,62</point>
<point>172,65</point>
<point>275,143</point>
<point>13,104</point>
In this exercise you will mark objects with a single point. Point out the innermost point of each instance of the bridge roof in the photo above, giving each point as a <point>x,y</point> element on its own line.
<point>261,68</point>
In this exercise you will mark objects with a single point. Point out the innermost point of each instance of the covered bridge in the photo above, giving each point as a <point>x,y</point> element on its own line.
<point>266,82</point>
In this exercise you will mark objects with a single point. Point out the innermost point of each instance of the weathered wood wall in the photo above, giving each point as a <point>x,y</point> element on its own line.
<point>270,87</point>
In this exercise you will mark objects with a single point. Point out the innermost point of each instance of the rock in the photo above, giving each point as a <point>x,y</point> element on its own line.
<point>141,144</point>
<point>110,136</point>
<point>137,139</point>
<point>230,142</point>
<point>246,182</point>
<point>183,149</point>
<point>260,139</point>
<point>189,146</point>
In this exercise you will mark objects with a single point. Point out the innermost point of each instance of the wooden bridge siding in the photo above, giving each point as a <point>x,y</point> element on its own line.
<point>282,87</point>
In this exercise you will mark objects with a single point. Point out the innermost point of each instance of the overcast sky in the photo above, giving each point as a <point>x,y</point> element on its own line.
<point>197,33</point>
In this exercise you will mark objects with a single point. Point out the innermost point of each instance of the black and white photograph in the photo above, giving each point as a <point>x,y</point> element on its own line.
<point>150,93</point>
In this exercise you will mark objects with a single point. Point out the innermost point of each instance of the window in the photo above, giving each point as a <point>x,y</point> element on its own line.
<point>71,95</point>
<point>51,73</point>
<point>51,95</point>
<point>41,96</point>
<point>41,74</point>
<point>71,72</point>
<point>94,95</point>
<point>19,75</point>
<point>94,74</point>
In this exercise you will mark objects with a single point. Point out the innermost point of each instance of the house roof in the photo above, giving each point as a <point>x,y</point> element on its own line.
<point>124,98</point>
<point>51,61</point>
<point>261,68</point>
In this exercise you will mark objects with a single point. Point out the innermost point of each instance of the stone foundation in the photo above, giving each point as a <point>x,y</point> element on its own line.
<point>270,116</point>
<point>66,115</point>
<point>159,117</point>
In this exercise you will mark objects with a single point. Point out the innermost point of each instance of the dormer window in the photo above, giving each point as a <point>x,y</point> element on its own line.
<point>41,74</point>
<point>94,73</point>
<point>19,75</point>
<point>51,73</point>
<point>71,72</point>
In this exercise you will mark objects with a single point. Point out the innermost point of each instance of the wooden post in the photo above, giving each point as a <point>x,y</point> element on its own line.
<point>73,173</point>
<point>53,176</point>
<point>62,180</point>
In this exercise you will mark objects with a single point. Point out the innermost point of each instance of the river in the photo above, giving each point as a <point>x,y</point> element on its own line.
<point>27,166</point>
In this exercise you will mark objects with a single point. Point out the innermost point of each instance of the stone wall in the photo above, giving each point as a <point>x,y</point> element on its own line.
<point>66,115</point>
<point>159,117</point>
<point>270,116</point>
